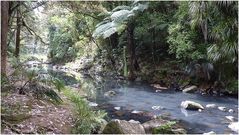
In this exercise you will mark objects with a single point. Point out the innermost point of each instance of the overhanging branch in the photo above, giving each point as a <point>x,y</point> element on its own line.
<point>32,32</point>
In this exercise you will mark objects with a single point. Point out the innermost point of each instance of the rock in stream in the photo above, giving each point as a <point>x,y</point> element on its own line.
<point>190,105</point>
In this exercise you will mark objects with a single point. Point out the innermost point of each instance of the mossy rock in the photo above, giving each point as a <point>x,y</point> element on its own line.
<point>123,127</point>
<point>163,126</point>
<point>164,129</point>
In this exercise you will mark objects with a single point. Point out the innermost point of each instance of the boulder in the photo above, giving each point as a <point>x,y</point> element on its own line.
<point>234,126</point>
<point>150,125</point>
<point>190,105</point>
<point>160,126</point>
<point>134,121</point>
<point>190,89</point>
<point>123,127</point>
<point>211,106</point>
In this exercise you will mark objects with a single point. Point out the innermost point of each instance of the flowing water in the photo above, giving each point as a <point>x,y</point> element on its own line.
<point>138,96</point>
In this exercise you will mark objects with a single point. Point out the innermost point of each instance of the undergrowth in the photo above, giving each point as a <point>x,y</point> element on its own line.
<point>86,120</point>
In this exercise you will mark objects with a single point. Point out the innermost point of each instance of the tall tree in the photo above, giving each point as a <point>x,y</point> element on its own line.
<point>18,33</point>
<point>4,31</point>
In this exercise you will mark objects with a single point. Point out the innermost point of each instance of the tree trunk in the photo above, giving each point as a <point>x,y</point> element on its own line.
<point>114,40</point>
<point>4,31</point>
<point>133,65</point>
<point>204,30</point>
<point>18,34</point>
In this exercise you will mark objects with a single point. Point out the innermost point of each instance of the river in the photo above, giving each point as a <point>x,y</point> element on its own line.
<point>134,97</point>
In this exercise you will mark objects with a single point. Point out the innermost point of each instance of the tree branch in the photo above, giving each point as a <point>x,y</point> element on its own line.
<point>38,5</point>
<point>31,31</point>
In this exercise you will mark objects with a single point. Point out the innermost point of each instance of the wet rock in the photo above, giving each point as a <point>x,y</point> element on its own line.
<point>136,112</point>
<point>190,105</point>
<point>134,121</point>
<point>222,108</point>
<point>211,106</point>
<point>117,108</point>
<point>209,133</point>
<point>234,126</point>
<point>92,104</point>
<point>123,127</point>
<point>110,93</point>
<point>179,131</point>
<point>231,118</point>
<point>157,86</point>
<point>150,125</point>
<point>157,108</point>
<point>231,111</point>
<point>161,126</point>
<point>158,91</point>
<point>190,89</point>
<point>119,113</point>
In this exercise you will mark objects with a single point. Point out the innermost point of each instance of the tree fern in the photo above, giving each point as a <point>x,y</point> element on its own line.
<point>117,19</point>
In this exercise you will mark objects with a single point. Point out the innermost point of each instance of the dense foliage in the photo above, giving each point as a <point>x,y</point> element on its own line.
<point>173,44</point>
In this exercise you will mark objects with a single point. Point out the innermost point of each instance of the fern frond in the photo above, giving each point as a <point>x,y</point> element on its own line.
<point>121,8</point>
<point>99,31</point>
<point>120,16</point>
<point>140,7</point>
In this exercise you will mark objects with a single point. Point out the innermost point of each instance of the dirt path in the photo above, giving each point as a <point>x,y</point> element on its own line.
<point>25,114</point>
